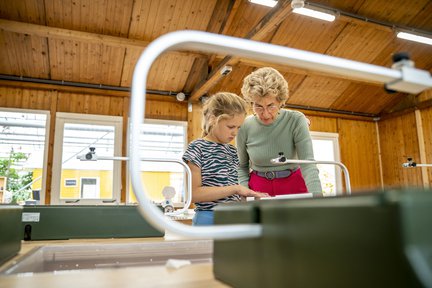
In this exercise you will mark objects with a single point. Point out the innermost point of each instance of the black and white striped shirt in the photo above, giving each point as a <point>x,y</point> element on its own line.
<point>218,164</point>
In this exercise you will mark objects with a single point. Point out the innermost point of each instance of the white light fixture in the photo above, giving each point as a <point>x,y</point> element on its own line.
<point>413,37</point>
<point>268,3</point>
<point>315,14</point>
<point>297,4</point>
<point>180,96</point>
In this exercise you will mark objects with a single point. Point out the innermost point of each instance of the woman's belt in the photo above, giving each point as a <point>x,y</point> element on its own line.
<point>270,175</point>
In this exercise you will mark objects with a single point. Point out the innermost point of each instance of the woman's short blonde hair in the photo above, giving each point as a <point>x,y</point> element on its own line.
<point>264,82</point>
<point>221,105</point>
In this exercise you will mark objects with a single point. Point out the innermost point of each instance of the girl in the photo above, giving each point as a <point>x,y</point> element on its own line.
<point>213,161</point>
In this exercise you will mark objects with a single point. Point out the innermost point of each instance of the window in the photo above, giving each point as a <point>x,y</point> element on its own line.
<point>89,181</point>
<point>70,182</point>
<point>166,140</point>
<point>23,154</point>
<point>326,148</point>
<point>90,188</point>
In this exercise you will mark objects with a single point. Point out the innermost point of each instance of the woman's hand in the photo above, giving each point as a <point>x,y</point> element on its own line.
<point>246,192</point>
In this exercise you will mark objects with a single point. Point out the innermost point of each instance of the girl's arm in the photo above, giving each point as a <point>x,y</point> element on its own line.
<point>205,194</point>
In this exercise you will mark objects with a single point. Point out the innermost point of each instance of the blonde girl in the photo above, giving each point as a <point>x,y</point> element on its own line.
<point>213,161</point>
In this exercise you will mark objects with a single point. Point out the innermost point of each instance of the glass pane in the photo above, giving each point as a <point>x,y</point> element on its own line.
<point>87,179</point>
<point>22,146</point>
<point>164,141</point>
<point>324,151</point>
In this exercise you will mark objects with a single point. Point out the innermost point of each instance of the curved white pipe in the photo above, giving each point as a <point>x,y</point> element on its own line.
<point>196,40</point>
<point>341,165</point>
<point>188,196</point>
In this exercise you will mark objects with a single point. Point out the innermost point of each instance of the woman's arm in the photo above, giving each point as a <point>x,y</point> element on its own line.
<point>205,194</point>
<point>304,149</point>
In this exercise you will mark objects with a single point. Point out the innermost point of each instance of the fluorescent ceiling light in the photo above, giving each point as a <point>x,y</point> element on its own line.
<point>315,14</point>
<point>413,37</point>
<point>268,3</point>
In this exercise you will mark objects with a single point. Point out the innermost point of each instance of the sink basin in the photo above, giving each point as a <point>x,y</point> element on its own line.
<point>61,258</point>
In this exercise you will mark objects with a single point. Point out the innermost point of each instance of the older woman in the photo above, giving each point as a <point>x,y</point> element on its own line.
<point>268,132</point>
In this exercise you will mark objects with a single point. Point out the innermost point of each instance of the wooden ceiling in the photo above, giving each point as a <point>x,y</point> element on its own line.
<point>99,41</point>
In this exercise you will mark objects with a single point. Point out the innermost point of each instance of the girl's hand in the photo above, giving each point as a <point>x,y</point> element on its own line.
<point>246,192</point>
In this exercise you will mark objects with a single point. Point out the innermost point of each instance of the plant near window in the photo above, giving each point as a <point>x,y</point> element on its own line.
<point>17,179</point>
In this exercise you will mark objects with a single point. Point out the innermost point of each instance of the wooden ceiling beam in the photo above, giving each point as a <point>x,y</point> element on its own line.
<point>215,76</point>
<point>231,16</point>
<point>225,12</point>
<point>229,19</point>
<point>408,105</point>
<point>268,23</point>
<point>79,36</point>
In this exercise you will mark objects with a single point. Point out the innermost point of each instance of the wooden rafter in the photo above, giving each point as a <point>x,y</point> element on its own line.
<point>79,36</point>
<point>268,23</point>
<point>199,71</point>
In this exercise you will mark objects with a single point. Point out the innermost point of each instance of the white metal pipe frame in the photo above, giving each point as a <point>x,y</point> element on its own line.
<point>277,161</point>
<point>404,79</point>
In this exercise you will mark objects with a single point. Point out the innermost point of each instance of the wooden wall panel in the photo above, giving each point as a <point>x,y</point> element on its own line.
<point>166,110</point>
<point>156,107</point>
<point>194,122</point>
<point>322,124</point>
<point>25,98</point>
<point>426,117</point>
<point>398,140</point>
<point>359,152</point>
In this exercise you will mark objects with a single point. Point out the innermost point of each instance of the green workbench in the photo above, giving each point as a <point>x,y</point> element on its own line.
<point>381,239</point>
<point>50,222</point>
<point>10,231</point>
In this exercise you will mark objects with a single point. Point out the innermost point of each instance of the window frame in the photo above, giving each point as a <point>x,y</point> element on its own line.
<point>87,119</point>
<point>42,193</point>
<point>334,137</point>
<point>184,124</point>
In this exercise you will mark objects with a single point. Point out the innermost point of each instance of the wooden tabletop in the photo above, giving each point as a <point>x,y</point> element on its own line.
<point>195,275</point>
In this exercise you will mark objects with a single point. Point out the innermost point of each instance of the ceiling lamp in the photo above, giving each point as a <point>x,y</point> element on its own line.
<point>323,15</point>
<point>297,4</point>
<point>414,37</point>
<point>268,3</point>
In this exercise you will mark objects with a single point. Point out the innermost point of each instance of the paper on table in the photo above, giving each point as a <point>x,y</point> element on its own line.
<point>177,263</point>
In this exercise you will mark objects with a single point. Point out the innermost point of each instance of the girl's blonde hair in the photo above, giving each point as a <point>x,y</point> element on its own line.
<point>221,105</point>
<point>263,82</point>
